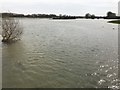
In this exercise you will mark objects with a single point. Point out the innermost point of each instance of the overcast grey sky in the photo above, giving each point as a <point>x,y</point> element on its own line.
<point>70,7</point>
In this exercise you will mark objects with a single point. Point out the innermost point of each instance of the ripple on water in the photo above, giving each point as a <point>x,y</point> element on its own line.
<point>41,56</point>
<point>114,87</point>
<point>59,60</point>
<point>101,81</point>
<point>107,74</point>
<point>20,65</point>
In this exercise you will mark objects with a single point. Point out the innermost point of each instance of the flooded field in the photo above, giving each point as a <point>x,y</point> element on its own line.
<point>62,54</point>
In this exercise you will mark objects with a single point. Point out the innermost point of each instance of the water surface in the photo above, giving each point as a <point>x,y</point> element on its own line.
<point>62,53</point>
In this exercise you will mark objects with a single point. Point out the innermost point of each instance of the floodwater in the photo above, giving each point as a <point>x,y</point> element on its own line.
<point>62,54</point>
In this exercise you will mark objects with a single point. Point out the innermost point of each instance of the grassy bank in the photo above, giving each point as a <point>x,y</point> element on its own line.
<point>115,21</point>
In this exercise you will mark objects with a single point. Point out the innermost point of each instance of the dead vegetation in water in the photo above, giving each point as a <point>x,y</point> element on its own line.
<point>11,30</point>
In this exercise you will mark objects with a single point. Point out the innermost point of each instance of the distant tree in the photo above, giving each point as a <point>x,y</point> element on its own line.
<point>11,30</point>
<point>87,15</point>
<point>60,15</point>
<point>110,14</point>
<point>93,16</point>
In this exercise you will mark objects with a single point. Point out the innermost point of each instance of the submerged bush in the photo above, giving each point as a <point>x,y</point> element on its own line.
<point>11,30</point>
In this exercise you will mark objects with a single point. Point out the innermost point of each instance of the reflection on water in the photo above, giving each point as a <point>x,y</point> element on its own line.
<point>73,53</point>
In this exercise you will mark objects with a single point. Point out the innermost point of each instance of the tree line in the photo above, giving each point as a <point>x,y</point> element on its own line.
<point>109,15</point>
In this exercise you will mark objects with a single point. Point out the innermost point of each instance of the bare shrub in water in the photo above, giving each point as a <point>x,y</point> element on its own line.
<point>11,30</point>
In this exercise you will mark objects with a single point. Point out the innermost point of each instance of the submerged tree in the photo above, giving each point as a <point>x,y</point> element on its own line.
<point>11,30</point>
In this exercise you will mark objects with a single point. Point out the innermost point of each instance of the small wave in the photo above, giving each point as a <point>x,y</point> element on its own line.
<point>0,39</point>
<point>58,60</point>
<point>101,81</point>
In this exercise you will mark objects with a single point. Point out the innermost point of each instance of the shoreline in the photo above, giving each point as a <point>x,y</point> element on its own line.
<point>114,21</point>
